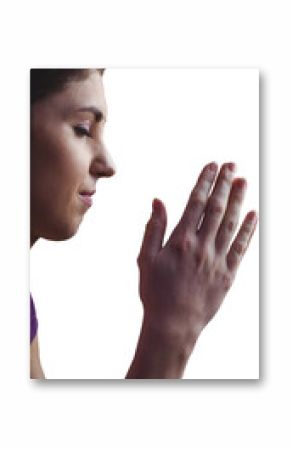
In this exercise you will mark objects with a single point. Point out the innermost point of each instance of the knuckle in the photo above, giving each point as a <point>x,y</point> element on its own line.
<point>238,247</point>
<point>224,279</point>
<point>183,243</point>
<point>197,198</point>
<point>151,222</point>
<point>147,226</point>
<point>237,196</point>
<point>226,282</point>
<point>232,261</point>
<point>225,179</point>
<point>200,256</point>
<point>231,225</point>
<point>151,225</point>
<point>247,229</point>
<point>216,206</point>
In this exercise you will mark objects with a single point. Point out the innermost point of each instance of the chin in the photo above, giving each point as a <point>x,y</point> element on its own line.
<point>61,233</point>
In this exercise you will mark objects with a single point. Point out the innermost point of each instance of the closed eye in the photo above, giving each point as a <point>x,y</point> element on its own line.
<point>80,131</point>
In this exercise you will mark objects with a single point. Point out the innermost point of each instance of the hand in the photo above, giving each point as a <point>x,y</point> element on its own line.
<point>183,283</point>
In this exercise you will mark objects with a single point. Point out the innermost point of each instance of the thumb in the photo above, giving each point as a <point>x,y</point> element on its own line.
<point>154,232</point>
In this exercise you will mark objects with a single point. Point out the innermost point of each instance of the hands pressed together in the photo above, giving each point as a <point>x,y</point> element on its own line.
<point>183,283</point>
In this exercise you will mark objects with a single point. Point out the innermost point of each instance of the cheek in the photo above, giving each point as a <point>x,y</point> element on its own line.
<point>59,165</point>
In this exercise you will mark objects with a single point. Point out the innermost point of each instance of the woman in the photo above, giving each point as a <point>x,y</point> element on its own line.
<point>182,282</point>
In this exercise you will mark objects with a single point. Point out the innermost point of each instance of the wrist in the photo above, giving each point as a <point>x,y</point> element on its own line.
<point>162,352</point>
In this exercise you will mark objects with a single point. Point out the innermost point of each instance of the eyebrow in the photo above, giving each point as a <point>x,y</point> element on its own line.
<point>99,115</point>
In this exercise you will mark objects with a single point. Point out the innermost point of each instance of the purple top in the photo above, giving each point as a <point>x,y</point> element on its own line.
<point>33,320</point>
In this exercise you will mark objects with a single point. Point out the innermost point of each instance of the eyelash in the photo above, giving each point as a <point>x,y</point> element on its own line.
<point>80,131</point>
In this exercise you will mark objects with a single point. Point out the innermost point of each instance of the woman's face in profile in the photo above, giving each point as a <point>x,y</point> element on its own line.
<point>67,157</point>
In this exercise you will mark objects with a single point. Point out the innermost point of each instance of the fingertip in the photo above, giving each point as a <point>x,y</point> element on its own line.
<point>213,166</point>
<point>240,183</point>
<point>252,216</point>
<point>157,206</point>
<point>232,166</point>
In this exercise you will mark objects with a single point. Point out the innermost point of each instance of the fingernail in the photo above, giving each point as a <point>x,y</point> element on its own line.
<point>155,206</point>
<point>252,216</point>
<point>232,166</point>
<point>240,183</point>
<point>213,166</point>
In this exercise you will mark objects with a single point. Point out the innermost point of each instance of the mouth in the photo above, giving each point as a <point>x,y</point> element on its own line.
<point>86,197</point>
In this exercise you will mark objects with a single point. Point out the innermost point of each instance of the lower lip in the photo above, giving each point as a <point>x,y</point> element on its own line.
<point>87,199</point>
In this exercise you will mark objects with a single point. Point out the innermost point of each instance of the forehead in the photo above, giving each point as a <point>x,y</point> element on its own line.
<point>78,94</point>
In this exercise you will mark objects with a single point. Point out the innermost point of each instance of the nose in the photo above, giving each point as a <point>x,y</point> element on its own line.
<point>103,165</point>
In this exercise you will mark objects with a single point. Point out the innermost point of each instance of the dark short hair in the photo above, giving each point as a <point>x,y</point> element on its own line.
<point>44,82</point>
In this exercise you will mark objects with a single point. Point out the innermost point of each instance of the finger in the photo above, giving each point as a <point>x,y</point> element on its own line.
<point>217,202</point>
<point>154,233</point>
<point>198,197</point>
<point>231,217</point>
<point>242,240</point>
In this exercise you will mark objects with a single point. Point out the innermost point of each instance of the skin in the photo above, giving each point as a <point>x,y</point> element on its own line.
<point>64,162</point>
<point>36,371</point>
<point>183,282</point>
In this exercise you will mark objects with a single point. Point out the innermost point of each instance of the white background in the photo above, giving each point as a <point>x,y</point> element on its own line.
<point>163,126</point>
<point>115,413</point>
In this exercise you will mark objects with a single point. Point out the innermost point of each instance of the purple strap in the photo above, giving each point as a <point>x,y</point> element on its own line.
<point>33,320</point>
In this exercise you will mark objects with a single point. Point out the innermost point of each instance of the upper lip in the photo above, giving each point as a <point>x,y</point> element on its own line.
<point>87,192</point>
